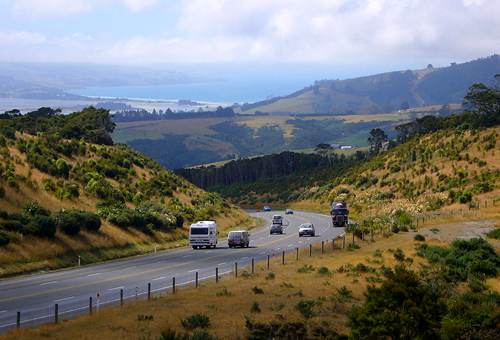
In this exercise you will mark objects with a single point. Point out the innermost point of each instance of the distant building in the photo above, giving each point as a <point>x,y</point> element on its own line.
<point>345,147</point>
<point>335,146</point>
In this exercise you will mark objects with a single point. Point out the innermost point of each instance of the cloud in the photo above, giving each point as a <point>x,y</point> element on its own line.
<point>42,8</point>
<point>59,8</point>
<point>327,31</point>
<point>21,38</point>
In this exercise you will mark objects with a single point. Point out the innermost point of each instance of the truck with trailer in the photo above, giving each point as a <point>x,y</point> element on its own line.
<point>340,214</point>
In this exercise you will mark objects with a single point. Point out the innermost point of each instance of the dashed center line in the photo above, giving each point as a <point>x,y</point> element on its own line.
<point>64,299</point>
<point>121,287</point>
<point>48,283</point>
<point>93,274</point>
<point>194,270</point>
<point>221,264</point>
<point>159,278</point>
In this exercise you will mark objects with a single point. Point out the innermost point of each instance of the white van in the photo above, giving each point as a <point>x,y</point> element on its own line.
<point>203,234</point>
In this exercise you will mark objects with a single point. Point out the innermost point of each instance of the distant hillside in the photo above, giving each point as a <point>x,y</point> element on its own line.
<point>439,161</point>
<point>384,92</point>
<point>67,190</point>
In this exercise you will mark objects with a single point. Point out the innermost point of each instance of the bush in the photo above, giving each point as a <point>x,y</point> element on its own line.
<point>324,271</point>
<point>257,290</point>
<point>72,221</point>
<point>305,308</point>
<point>33,208</point>
<point>495,233</point>
<point>43,226</point>
<point>276,330</point>
<point>419,237</point>
<point>196,321</point>
<point>4,238</point>
<point>307,268</point>
<point>255,308</point>
<point>386,312</point>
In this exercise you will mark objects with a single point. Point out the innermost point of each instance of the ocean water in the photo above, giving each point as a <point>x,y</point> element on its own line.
<point>233,83</point>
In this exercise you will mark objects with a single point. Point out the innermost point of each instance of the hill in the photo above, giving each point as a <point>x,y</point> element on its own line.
<point>384,92</point>
<point>66,190</point>
<point>433,162</point>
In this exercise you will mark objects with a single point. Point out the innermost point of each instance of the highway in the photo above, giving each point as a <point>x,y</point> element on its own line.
<point>34,296</point>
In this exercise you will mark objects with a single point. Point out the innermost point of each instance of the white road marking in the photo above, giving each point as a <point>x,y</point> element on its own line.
<point>64,299</point>
<point>263,253</point>
<point>221,264</point>
<point>244,258</point>
<point>93,274</point>
<point>121,287</point>
<point>3,311</point>
<point>159,278</point>
<point>194,270</point>
<point>186,256</point>
<point>290,245</point>
<point>48,283</point>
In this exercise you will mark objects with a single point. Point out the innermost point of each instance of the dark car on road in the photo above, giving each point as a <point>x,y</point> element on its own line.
<point>307,229</point>
<point>238,238</point>
<point>276,229</point>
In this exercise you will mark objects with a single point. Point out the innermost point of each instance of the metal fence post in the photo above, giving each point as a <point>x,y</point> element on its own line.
<point>56,313</point>
<point>283,257</point>
<point>268,260</point>
<point>236,269</point>
<point>173,285</point>
<point>149,291</point>
<point>216,274</point>
<point>253,265</point>
<point>297,254</point>
<point>196,279</point>
<point>343,242</point>
<point>18,320</point>
<point>121,297</point>
<point>322,247</point>
<point>90,305</point>
<point>310,249</point>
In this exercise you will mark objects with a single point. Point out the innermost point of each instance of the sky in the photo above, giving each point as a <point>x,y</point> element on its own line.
<point>143,32</point>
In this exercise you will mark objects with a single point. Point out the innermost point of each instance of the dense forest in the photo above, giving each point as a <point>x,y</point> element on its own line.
<point>131,115</point>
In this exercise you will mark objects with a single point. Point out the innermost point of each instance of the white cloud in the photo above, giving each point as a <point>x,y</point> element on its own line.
<point>21,38</point>
<point>331,31</point>
<point>39,8</point>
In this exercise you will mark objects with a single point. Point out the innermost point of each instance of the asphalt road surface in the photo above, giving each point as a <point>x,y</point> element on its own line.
<point>35,296</point>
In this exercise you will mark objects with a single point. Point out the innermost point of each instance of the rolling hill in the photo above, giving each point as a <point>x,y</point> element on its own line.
<point>384,92</point>
<point>66,191</point>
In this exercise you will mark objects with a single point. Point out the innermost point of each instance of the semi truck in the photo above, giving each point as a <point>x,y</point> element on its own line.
<point>340,214</point>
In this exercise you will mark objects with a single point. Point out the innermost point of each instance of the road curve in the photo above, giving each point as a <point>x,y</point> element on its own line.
<point>35,295</point>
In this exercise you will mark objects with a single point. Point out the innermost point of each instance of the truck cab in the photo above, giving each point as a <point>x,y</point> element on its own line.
<point>203,234</point>
<point>340,214</point>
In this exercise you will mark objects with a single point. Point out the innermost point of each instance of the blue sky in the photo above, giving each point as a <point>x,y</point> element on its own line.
<point>336,32</point>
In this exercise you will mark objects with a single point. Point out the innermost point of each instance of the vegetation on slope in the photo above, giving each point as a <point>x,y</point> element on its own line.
<point>65,186</point>
<point>384,92</point>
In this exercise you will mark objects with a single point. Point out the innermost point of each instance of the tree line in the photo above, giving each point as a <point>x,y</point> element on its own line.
<point>168,114</point>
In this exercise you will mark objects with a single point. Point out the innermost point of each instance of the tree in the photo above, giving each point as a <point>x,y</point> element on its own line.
<point>402,308</point>
<point>484,99</point>
<point>376,139</point>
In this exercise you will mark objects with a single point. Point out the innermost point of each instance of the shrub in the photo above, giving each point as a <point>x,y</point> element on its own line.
<point>270,276</point>
<point>419,237</point>
<point>386,312</point>
<point>196,321</point>
<point>495,233</point>
<point>257,290</point>
<point>307,268</point>
<point>276,330</point>
<point>255,308</point>
<point>71,221</point>
<point>4,238</point>
<point>344,293</point>
<point>305,308</point>
<point>324,271</point>
<point>43,226</point>
<point>32,208</point>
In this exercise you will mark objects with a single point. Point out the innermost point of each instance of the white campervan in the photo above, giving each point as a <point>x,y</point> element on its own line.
<point>203,234</point>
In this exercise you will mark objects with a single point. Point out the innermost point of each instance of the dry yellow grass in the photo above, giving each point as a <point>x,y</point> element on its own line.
<point>227,312</point>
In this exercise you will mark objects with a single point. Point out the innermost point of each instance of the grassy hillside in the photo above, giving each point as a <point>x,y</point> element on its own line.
<point>429,172</point>
<point>61,197</point>
<point>384,92</point>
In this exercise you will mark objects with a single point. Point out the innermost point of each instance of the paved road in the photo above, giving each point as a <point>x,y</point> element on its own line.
<point>35,295</point>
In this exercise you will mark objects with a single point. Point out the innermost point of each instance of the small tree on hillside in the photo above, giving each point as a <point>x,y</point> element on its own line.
<point>376,139</point>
